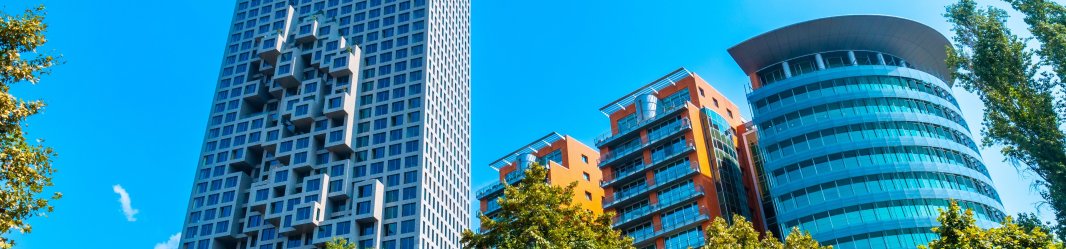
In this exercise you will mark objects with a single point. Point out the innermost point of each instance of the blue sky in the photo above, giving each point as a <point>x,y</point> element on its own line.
<point>129,107</point>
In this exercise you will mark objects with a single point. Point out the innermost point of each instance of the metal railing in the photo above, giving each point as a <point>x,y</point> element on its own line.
<point>484,191</point>
<point>662,204</point>
<point>653,138</point>
<point>607,137</point>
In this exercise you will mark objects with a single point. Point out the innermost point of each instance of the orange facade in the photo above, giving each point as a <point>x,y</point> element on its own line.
<point>654,145</point>
<point>568,161</point>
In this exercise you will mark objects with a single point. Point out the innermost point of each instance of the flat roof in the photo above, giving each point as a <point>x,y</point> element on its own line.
<point>532,147</point>
<point>918,44</point>
<point>656,85</point>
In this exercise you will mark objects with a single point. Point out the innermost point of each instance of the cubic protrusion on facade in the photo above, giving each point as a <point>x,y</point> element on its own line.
<point>341,119</point>
<point>670,162</point>
<point>567,160</point>
<point>860,141</point>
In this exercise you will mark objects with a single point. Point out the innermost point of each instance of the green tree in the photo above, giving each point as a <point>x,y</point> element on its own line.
<point>1022,112</point>
<point>742,235</point>
<point>1028,221</point>
<point>25,168</point>
<point>339,243</point>
<point>1047,23</point>
<point>538,215</point>
<point>958,229</point>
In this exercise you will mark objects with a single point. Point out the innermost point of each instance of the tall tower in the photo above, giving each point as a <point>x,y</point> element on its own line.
<point>670,162</point>
<point>337,118</point>
<point>860,137</point>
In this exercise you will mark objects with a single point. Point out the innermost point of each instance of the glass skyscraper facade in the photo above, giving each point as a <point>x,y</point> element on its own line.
<point>860,138</point>
<point>337,118</point>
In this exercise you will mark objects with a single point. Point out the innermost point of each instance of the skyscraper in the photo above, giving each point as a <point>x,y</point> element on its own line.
<point>567,160</point>
<point>858,132</point>
<point>670,162</point>
<point>337,118</point>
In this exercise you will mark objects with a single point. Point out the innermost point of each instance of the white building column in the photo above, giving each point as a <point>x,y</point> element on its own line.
<point>851,58</point>
<point>819,61</point>
<point>788,73</point>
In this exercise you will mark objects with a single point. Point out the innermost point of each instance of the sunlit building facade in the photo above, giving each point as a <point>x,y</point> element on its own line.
<point>567,160</point>
<point>670,162</point>
<point>859,137</point>
<point>337,118</point>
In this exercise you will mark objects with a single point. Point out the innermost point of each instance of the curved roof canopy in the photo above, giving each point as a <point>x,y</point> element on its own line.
<point>920,45</point>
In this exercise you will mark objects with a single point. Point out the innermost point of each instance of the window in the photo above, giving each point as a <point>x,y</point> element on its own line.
<point>584,159</point>
<point>588,196</point>
<point>585,175</point>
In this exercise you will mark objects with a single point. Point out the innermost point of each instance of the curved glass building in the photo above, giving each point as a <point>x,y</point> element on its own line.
<point>861,139</point>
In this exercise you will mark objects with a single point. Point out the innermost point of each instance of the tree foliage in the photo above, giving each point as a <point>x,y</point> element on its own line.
<point>339,243</point>
<point>1021,110</point>
<point>537,215</point>
<point>741,234</point>
<point>958,229</point>
<point>25,168</point>
<point>1028,221</point>
<point>1047,23</point>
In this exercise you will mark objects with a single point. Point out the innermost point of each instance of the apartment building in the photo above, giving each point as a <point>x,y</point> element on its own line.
<point>670,162</point>
<point>567,160</point>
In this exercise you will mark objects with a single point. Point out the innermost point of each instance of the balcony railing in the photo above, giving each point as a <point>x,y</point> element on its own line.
<point>608,137</point>
<point>515,176</point>
<point>670,152</point>
<point>615,177</point>
<point>663,203</point>
<point>653,138</point>
<point>667,178</point>
<point>491,209</point>
<point>487,190</point>
<point>668,228</point>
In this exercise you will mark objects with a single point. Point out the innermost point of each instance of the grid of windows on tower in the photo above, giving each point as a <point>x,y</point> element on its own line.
<point>337,118</point>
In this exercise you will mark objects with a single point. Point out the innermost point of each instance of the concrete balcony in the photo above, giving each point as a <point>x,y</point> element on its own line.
<point>270,47</point>
<point>271,137</point>
<point>308,216</point>
<point>323,234</point>
<point>253,222</point>
<point>307,31</point>
<point>255,92</point>
<point>346,62</point>
<point>339,139</point>
<point>288,70</point>
<point>301,110</point>
<point>339,187</point>
<point>339,105</point>
<point>289,148</point>
<point>368,201</point>
<point>267,67</point>
<point>242,158</point>
<point>257,202</point>
<point>315,185</point>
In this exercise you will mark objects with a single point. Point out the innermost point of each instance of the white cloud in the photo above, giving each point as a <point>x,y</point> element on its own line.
<point>172,243</point>
<point>124,198</point>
